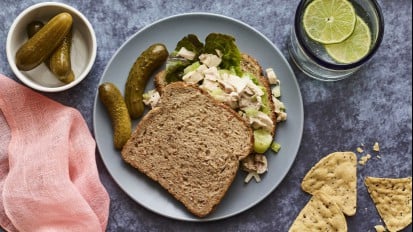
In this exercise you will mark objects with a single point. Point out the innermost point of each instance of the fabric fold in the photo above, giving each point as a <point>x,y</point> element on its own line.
<point>52,182</point>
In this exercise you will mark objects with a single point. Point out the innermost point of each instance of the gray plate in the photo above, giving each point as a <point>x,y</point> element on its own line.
<point>169,31</point>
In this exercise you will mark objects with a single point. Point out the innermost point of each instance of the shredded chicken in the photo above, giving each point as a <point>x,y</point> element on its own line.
<point>272,77</point>
<point>237,92</point>
<point>185,53</point>
<point>261,120</point>
<point>255,163</point>
<point>210,60</point>
<point>151,98</point>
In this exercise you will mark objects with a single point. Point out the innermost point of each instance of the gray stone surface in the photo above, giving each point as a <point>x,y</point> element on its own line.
<point>373,105</point>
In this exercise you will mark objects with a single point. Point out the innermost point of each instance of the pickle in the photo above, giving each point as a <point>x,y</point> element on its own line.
<point>151,59</point>
<point>68,78</point>
<point>112,99</point>
<point>39,47</point>
<point>33,28</point>
<point>59,61</point>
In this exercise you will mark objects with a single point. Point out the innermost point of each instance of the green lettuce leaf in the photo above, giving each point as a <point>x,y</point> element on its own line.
<point>231,56</point>
<point>191,43</point>
<point>175,68</point>
<point>175,65</point>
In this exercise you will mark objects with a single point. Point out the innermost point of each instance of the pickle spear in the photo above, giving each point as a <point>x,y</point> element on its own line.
<point>39,47</point>
<point>150,60</point>
<point>59,61</point>
<point>112,99</point>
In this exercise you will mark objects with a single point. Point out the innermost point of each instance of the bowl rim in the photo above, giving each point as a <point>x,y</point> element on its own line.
<point>26,80</point>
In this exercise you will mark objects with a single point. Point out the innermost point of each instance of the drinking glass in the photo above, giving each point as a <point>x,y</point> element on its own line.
<point>311,57</point>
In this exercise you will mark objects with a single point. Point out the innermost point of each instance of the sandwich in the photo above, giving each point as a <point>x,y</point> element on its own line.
<point>213,113</point>
<point>190,144</point>
<point>233,78</point>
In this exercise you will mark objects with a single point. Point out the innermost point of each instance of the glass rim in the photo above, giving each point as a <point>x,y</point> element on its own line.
<point>335,66</point>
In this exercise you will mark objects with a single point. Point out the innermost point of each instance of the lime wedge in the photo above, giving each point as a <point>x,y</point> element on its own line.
<point>355,47</point>
<point>329,21</point>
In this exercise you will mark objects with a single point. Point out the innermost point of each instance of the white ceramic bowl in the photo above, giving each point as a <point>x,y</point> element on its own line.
<point>83,50</point>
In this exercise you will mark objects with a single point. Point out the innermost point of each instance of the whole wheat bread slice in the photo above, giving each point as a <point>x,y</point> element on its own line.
<point>248,64</point>
<point>191,145</point>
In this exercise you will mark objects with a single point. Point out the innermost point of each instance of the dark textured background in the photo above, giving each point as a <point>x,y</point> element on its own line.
<point>373,105</point>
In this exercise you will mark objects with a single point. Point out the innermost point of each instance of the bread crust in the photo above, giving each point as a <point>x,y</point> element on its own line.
<point>159,81</point>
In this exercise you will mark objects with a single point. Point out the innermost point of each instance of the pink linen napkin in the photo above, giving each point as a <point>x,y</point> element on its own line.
<point>48,175</point>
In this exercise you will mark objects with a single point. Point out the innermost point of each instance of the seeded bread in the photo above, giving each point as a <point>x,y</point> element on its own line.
<point>248,64</point>
<point>191,145</point>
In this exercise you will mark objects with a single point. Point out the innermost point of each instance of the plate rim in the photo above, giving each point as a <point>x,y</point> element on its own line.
<point>288,66</point>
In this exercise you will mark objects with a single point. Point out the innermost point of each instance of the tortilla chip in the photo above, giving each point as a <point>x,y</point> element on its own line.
<point>393,200</point>
<point>336,176</point>
<point>320,214</point>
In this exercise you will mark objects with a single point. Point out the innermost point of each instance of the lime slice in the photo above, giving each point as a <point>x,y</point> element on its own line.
<point>329,21</point>
<point>355,47</point>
